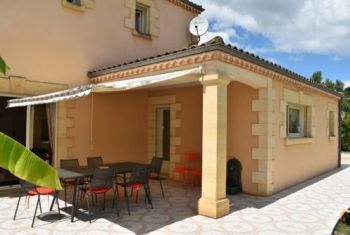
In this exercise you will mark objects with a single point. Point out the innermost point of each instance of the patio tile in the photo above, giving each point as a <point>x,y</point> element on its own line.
<point>312,207</point>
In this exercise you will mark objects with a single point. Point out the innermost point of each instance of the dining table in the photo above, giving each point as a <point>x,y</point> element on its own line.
<point>83,172</point>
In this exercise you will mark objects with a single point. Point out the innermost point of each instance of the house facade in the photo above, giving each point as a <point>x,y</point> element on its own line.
<point>279,125</point>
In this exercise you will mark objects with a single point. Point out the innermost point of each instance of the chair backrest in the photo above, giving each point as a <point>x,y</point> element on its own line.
<point>139,174</point>
<point>102,178</point>
<point>192,160</point>
<point>66,163</point>
<point>156,165</point>
<point>94,161</point>
<point>188,156</point>
<point>26,186</point>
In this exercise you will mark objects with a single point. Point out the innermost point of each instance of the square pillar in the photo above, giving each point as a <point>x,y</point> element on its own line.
<point>213,202</point>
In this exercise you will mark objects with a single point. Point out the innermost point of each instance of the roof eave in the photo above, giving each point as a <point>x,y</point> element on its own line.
<point>208,48</point>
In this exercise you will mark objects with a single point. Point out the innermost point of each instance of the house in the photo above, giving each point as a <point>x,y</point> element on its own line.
<point>212,98</point>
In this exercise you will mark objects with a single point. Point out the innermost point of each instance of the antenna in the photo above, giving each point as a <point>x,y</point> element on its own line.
<point>198,27</point>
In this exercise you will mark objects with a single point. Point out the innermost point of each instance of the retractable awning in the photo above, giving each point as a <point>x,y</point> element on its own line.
<point>82,91</point>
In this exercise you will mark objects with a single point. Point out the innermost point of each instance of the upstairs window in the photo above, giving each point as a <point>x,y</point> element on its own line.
<point>331,124</point>
<point>74,2</point>
<point>142,21</point>
<point>296,121</point>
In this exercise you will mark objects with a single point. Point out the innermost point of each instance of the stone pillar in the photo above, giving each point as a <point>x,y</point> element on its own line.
<point>213,202</point>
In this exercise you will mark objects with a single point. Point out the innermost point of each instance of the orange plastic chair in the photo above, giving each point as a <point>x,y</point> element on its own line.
<point>187,164</point>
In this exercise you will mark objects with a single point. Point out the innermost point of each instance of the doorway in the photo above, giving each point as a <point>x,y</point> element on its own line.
<point>40,140</point>
<point>13,122</point>
<point>163,137</point>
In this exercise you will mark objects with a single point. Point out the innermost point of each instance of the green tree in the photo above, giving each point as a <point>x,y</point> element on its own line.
<point>317,77</point>
<point>339,86</point>
<point>329,83</point>
<point>345,133</point>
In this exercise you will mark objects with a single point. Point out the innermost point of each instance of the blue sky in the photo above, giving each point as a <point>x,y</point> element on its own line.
<point>302,35</point>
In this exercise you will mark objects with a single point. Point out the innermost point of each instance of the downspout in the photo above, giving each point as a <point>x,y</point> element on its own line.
<point>339,132</point>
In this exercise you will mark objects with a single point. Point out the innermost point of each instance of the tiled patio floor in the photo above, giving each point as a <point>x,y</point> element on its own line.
<point>312,207</point>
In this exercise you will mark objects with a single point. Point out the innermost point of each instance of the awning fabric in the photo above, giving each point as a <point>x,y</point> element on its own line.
<point>82,91</point>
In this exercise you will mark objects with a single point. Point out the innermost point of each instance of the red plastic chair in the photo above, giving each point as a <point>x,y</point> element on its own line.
<point>188,162</point>
<point>30,190</point>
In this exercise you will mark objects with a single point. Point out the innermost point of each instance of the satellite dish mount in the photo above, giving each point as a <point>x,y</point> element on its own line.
<point>198,27</point>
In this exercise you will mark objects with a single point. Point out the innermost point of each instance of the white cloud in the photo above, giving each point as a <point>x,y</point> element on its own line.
<point>314,26</point>
<point>346,84</point>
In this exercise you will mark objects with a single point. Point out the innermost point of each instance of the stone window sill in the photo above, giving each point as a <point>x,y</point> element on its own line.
<point>306,140</point>
<point>72,6</point>
<point>332,138</point>
<point>142,35</point>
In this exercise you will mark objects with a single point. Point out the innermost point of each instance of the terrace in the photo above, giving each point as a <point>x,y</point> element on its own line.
<point>312,207</point>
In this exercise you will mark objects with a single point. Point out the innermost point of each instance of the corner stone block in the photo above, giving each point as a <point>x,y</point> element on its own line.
<point>265,189</point>
<point>261,153</point>
<point>262,177</point>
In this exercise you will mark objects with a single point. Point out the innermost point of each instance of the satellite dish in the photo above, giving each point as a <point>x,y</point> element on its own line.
<point>199,26</point>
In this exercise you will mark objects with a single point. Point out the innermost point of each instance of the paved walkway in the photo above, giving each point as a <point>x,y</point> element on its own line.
<point>312,207</point>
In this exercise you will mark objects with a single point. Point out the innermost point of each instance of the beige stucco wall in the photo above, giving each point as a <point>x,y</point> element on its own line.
<point>190,115</point>
<point>116,129</point>
<point>240,141</point>
<point>120,124</point>
<point>44,41</point>
<point>298,162</point>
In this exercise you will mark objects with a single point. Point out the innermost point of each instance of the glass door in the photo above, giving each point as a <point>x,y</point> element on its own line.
<point>163,137</point>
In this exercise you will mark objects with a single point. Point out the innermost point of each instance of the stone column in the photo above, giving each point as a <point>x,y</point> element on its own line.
<point>213,202</point>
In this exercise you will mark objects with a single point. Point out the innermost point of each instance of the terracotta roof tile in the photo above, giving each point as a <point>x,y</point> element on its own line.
<point>216,43</point>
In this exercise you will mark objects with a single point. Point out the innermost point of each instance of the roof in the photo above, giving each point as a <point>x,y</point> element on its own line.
<point>194,5</point>
<point>216,43</point>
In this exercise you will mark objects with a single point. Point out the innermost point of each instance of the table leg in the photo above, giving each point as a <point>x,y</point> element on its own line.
<point>126,195</point>
<point>74,201</point>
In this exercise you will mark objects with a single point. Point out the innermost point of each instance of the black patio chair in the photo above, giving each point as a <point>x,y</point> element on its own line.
<point>94,162</point>
<point>30,190</point>
<point>102,182</point>
<point>154,169</point>
<point>138,179</point>
<point>68,163</point>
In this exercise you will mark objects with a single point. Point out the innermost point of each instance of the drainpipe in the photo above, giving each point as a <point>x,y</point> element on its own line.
<point>339,132</point>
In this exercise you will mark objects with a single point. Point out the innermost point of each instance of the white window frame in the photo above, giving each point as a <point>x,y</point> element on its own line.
<point>302,121</point>
<point>144,25</point>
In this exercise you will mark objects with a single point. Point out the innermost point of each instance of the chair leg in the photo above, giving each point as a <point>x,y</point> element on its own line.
<point>127,199</point>
<point>137,195</point>
<point>19,199</point>
<point>88,205</point>
<point>148,194</point>
<point>65,194</point>
<point>132,191</point>
<point>36,208</point>
<point>161,186</point>
<point>58,206</point>
<point>41,211</point>
<point>115,199</point>
<point>104,201</point>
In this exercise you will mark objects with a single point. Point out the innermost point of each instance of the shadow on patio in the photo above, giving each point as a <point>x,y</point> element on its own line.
<point>178,210</point>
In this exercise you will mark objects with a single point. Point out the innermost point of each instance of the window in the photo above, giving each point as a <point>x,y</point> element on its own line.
<point>331,124</point>
<point>296,121</point>
<point>74,2</point>
<point>142,19</point>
